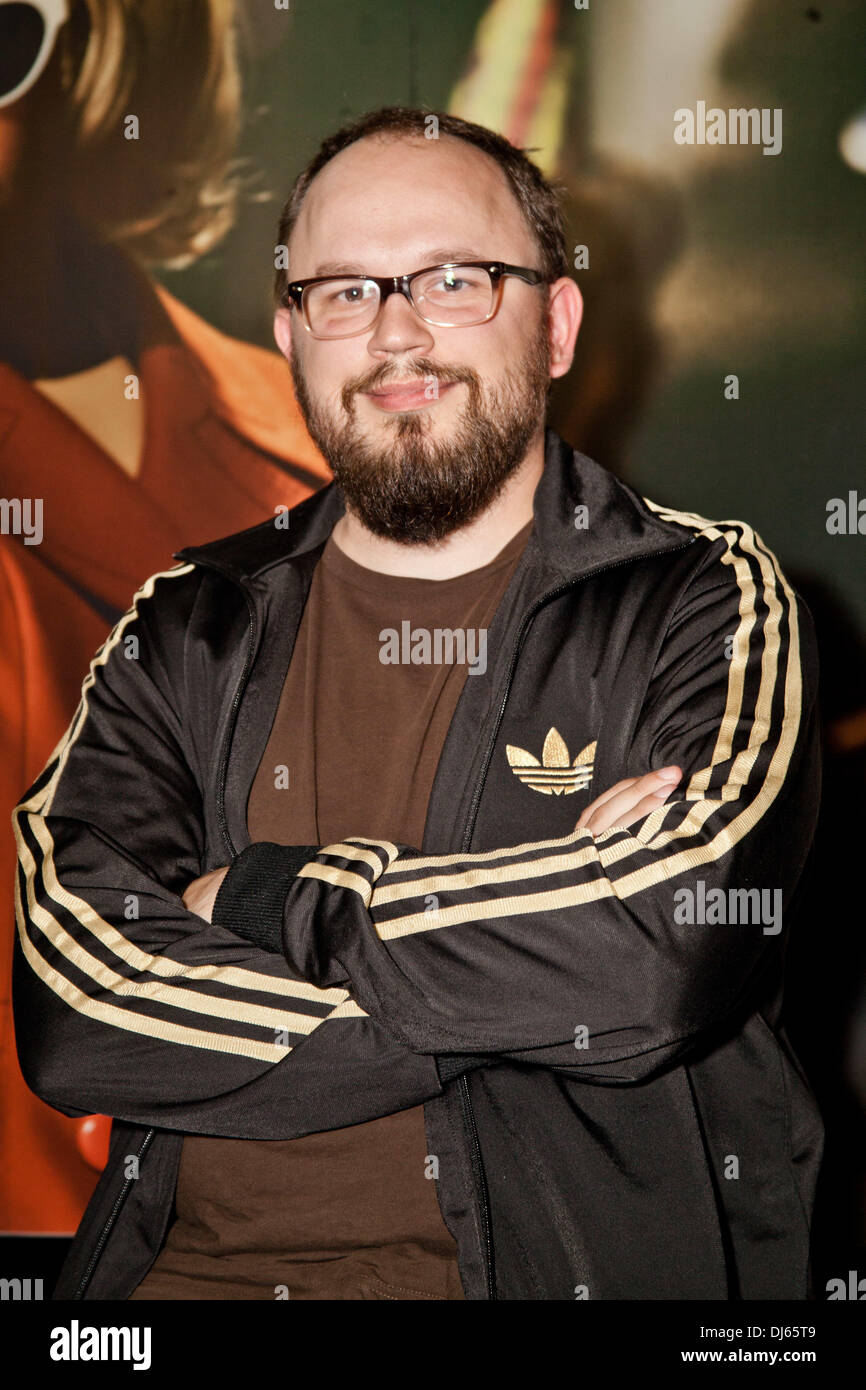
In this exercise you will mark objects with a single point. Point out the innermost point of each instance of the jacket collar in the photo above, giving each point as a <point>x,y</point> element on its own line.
<point>617,525</point>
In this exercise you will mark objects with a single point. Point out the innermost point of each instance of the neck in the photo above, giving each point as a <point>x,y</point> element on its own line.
<point>468,549</point>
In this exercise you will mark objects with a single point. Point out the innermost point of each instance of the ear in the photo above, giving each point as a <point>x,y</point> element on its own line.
<point>566,312</point>
<point>283,331</point>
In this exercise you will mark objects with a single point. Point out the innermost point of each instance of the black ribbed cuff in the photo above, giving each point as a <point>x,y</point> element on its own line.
<point>451,1065</point>
<point>252,895</point>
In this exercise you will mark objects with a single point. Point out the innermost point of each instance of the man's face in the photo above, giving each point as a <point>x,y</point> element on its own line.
<point>417,464</point>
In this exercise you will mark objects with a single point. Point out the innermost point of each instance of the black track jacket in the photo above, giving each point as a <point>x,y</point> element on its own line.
<point>593,1023</point>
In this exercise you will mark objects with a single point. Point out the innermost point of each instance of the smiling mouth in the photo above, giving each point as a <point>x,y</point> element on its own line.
<point>409,395</point>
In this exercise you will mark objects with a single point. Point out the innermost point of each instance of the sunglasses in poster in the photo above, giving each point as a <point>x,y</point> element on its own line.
<point>28,32</point>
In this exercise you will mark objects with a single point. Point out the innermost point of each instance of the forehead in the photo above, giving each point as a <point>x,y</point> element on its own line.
<point>387,200</point>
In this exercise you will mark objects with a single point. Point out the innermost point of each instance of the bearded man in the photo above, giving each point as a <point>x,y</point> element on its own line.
<point>392,978</point>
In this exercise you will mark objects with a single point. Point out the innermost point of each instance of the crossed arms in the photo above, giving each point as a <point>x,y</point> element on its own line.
<point>131,1004</point>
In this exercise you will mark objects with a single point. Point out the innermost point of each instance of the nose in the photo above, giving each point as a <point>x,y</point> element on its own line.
<point>399,329</point>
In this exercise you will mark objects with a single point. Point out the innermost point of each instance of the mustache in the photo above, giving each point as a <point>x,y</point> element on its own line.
<point>424,369</point>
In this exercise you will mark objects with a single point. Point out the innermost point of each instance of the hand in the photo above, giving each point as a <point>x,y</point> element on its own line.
<point>629,800</point>
<point>200,895</point>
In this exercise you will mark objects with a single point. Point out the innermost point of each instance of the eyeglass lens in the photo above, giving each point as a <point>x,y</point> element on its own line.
<point>22,31</point>
<point>461,295</point>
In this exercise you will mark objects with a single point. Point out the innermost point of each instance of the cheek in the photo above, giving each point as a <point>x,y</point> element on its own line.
<point>487,349</point>
<point>329,368</point>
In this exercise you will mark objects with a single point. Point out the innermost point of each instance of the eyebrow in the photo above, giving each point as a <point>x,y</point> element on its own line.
<point>439,255</point>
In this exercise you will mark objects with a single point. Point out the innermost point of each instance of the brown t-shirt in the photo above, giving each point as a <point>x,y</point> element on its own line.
<point>370,692</point>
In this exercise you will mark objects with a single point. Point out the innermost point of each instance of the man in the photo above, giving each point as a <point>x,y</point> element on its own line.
<point>302,899</point>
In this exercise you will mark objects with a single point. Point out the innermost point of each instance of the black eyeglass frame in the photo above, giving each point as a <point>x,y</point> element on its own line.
<point>294,297</point>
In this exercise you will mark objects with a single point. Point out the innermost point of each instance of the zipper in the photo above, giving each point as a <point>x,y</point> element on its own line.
<point>106,1230</point>
<point>481,1181</point>
<point>465,1098</point>
<point>233,718</point>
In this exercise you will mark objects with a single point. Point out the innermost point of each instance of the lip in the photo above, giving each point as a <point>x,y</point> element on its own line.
<point>408,395</point>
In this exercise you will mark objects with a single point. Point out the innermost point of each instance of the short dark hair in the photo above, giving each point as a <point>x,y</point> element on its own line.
<point>539,197</point>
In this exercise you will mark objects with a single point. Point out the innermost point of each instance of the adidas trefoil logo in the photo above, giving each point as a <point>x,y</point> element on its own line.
<point>555,775</point>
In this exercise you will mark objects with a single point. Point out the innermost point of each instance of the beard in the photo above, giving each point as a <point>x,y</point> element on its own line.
<point>417,490</point>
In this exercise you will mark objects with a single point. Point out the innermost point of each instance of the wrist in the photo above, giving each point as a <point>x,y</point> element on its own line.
<point>251,897</point>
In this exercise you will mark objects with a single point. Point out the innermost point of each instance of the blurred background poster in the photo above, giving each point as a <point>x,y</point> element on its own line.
<point>712,155</point>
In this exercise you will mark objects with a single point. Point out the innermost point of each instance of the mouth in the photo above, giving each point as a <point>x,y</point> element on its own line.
<point>419,394</point>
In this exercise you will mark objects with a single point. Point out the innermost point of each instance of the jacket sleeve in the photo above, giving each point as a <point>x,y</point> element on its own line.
<point>126,1003</point>
<point>608,955</point>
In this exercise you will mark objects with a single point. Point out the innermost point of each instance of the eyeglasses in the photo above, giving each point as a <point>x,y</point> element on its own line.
<point>455,295</point>
<point>27,36</point>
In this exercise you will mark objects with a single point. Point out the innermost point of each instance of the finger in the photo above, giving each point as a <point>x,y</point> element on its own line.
<point>622,809</point>
<point>645,808</point>
<point>648,782</point>
<point>604,797</point>
<point>611,791</point>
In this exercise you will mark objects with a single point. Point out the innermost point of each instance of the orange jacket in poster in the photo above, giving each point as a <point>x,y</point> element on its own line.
<point>224,448</point>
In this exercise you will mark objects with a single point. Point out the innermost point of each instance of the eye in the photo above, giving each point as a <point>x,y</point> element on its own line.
<point>451,283</point>
<point>458,282</point>
<point>352,294</point>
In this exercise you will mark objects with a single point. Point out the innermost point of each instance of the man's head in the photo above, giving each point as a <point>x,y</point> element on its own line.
<point>422,424</point>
